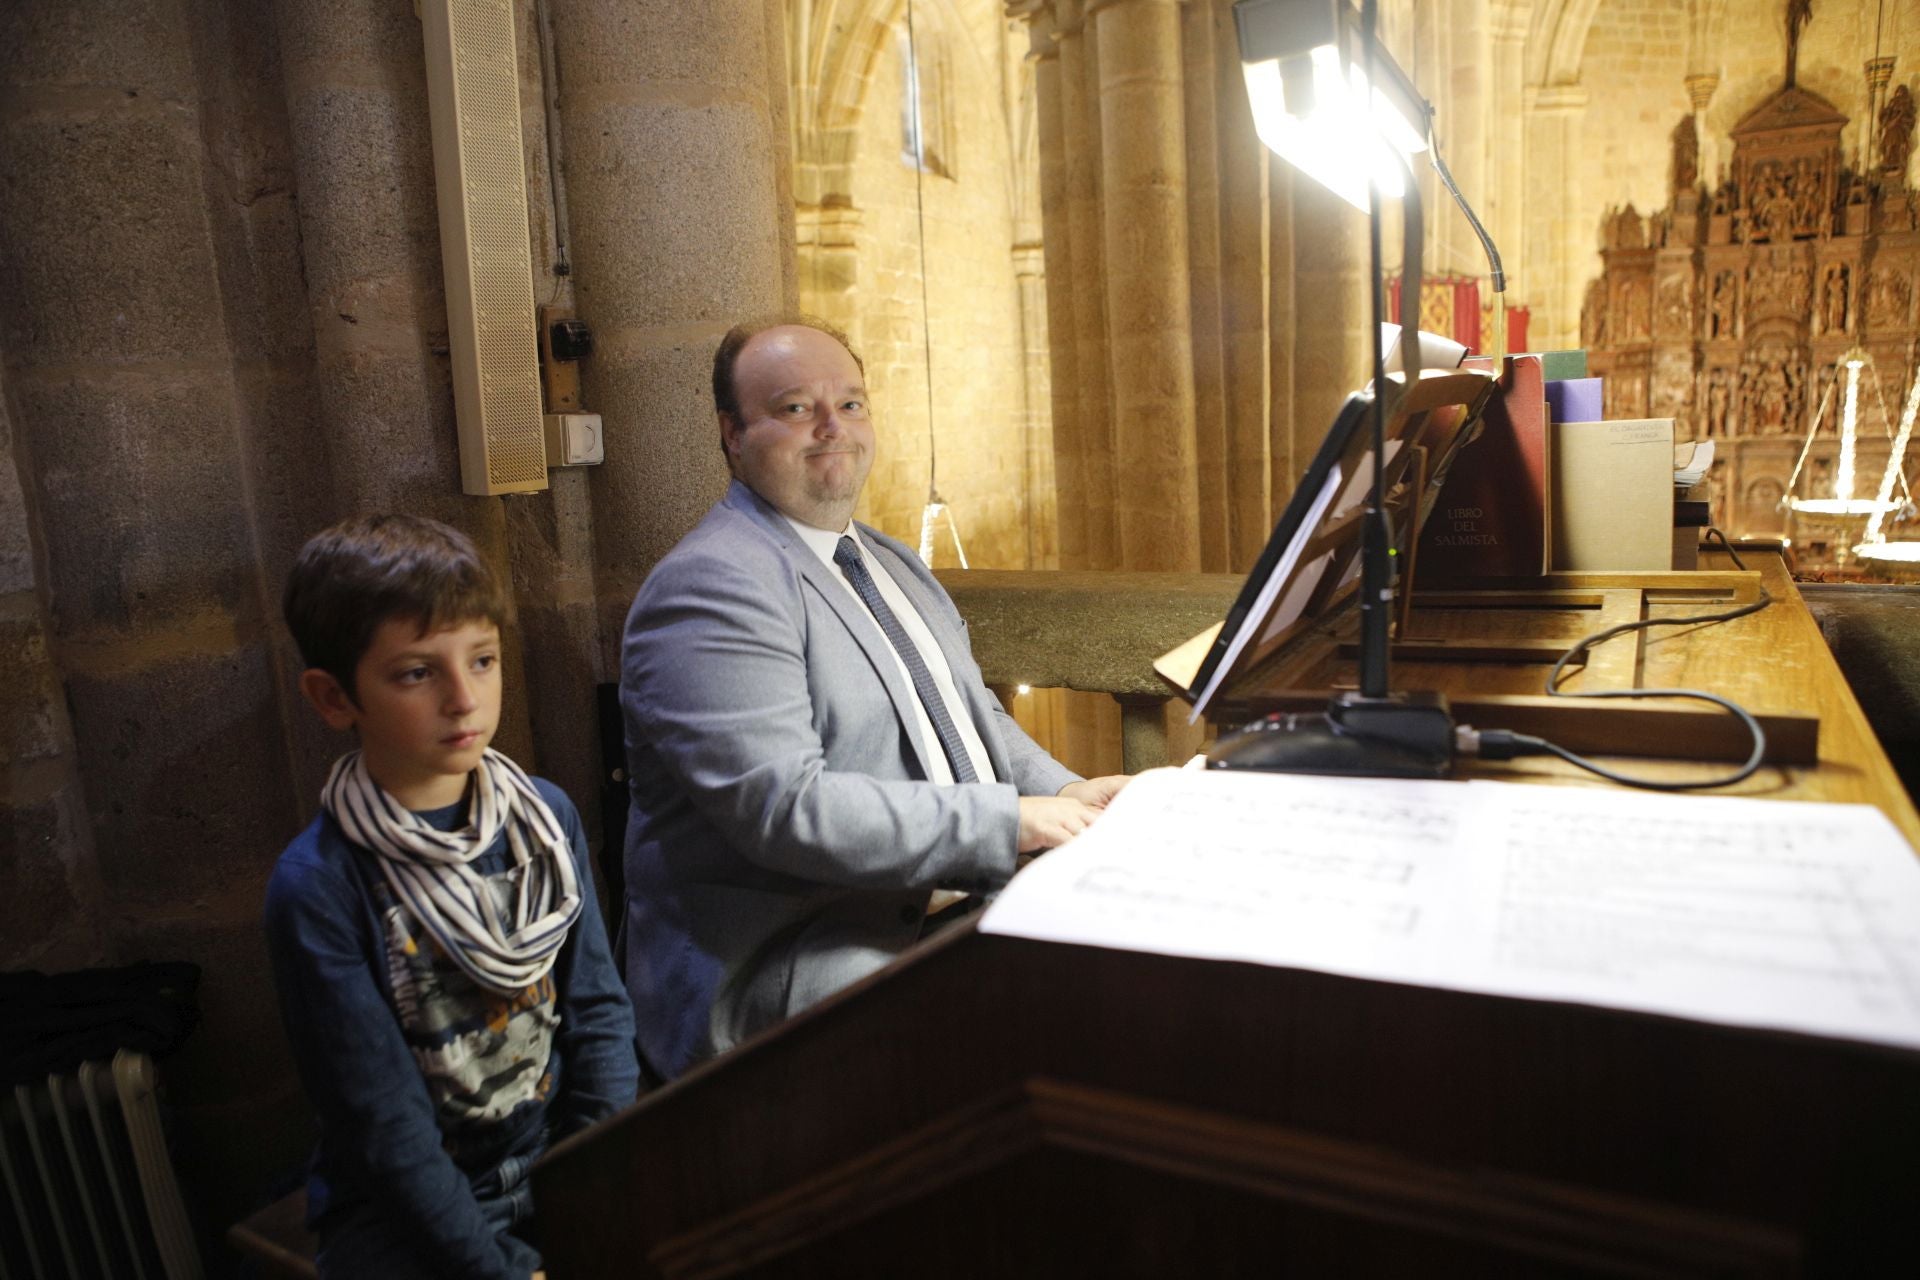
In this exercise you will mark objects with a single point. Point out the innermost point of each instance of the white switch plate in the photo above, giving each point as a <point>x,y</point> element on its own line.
<point>574,440</point>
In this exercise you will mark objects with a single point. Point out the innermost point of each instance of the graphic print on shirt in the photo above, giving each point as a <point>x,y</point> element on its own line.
<point>483,1055</point>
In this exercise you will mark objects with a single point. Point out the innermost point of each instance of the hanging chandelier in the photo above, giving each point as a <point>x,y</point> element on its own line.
<point>1841,505</point>
<point>1874,545</point>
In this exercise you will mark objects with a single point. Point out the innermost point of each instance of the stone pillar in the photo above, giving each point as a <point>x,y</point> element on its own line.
<point>1207,46</point>
<point>1081,121</point>
<point>1282,332</point>
<point>1333,309</point>
<point>1030,277</point>
<point>1149,326</point>
<point>677,172</point>
<point>128,430</point>
<point>1505,214</point>
<point>50,894</point>
<point>1063,374</point>
<point>827,247</point>
<point>1557,219</point>
<point>356,97</point>
<point>1468,123</point>
<point>1246,217</point>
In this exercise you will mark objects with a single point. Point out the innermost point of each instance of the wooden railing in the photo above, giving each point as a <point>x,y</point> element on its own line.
<point>1097,632</point>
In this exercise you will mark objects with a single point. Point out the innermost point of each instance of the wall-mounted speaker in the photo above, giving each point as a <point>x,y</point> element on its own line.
<point>473,91</point>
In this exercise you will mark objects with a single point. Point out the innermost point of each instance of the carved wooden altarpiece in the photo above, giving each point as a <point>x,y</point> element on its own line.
<point>1728,310</point>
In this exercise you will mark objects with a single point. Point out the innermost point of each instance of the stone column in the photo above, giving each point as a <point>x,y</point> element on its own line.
<point>128,429</point>
<point>677,172</point>
<point>1505,214</point>
<point>1282,333</point>
<point>1246,216</point>
<point>1206,46</point>
<point>1149,325</point>
<point>51,913</point>
<point>1333,309</point>
<point>1468,123</point>
<point>1081,130</point>
<point>1030,277</point>
<point>1063,374</point>
<point>356,98</point>
<point>1558,233</point>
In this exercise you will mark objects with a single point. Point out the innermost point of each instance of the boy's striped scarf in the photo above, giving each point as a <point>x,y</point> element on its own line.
<point>428,870</point>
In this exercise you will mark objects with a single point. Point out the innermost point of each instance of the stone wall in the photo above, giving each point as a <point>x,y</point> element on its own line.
<point>221,328</point>
<point>861,264</point>
<point>1634,71</point>
<point>973,306</point>
<point>47,868</point>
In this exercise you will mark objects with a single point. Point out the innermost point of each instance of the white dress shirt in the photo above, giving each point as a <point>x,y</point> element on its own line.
<point>823,543</point>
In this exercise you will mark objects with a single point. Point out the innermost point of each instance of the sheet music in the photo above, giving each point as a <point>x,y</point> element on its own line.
<point>1797,916</point>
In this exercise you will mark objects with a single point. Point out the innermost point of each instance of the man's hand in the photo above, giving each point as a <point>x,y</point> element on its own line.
<point>1049,821</point>
<point>1096,791</point>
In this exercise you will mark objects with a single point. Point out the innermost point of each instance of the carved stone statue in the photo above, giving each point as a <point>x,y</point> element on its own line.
<point>1811,214</point>
<point>1633,311</point>
<point>1686,154</point>
<point>1717,404</point>
<point>1833,298</point>
<point>1675,304</point>
<point>1724,308</point>
<point>1624,229</point>
<point>1799,14</point>
<point>1896,131</point>
<point>1593,314</point>
<point>1888,297</point>
<point>1770,409</point>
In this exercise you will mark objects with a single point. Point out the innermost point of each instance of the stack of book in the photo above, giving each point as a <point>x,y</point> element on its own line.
<point>1550,485</point>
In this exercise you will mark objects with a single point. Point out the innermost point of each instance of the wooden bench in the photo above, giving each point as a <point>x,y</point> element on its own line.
<point>275,1241</point>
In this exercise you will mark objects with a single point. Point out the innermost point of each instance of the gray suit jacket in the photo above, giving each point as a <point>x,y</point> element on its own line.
<point>783,836</point>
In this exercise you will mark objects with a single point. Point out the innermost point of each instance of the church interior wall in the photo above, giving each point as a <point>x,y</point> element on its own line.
<point>222,327</point>
<point>980,428</point>
<point>1634,68</point>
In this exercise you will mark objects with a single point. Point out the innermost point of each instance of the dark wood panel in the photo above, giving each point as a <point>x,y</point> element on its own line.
<point>1507,1123</point>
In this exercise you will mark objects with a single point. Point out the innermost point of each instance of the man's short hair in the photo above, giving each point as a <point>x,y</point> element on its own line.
<point>726,398</point>
<point>366,570</point>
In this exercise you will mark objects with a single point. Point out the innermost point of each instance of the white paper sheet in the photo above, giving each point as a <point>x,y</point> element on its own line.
<point>1758,913</point>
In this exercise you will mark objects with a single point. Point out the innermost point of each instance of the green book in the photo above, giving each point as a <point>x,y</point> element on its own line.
<point>1556,365</point>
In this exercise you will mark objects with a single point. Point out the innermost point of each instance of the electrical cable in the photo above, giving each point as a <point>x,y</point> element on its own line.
<point>1501,744</point>
<point>920,214</point>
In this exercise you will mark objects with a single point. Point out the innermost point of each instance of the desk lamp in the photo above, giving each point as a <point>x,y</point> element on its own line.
<point>1327,99</point>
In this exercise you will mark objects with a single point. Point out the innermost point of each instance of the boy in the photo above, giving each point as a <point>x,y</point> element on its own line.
<point>440,961</point>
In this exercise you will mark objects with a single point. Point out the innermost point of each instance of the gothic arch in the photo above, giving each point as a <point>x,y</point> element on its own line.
<point>833,47</point>
<point>1556,40</point>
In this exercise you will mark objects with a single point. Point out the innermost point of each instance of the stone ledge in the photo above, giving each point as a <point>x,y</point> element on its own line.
<point>1096,631</point>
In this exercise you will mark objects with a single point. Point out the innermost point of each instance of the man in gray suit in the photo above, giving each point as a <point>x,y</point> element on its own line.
<point>812,754</point>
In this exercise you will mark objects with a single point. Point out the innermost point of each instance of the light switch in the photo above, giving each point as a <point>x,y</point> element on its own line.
<point>574,440</point>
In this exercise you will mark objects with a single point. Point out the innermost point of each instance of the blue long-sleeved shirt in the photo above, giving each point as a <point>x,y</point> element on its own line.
<point>421,1080</point>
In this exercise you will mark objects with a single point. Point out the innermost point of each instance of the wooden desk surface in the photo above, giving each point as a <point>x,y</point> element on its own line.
<point>1772,661</point>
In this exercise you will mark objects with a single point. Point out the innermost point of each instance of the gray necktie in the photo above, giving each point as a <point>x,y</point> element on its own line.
<point>847,556</point>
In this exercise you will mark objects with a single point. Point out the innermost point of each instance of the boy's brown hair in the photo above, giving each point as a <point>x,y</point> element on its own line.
<point>366,570</point>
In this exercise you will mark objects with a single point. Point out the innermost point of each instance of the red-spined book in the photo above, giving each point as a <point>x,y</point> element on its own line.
<point>1491,517</point>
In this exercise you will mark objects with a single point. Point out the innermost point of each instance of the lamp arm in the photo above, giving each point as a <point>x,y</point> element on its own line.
<point>1494,267</point>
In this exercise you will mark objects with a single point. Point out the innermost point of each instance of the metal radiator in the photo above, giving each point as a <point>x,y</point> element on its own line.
<point>88,1188</point>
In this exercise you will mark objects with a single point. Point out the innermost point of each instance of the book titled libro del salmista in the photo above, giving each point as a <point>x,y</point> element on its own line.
<point>1491,517</point>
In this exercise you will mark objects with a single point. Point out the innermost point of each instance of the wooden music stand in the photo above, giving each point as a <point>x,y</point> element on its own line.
<point>1298,659</point>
